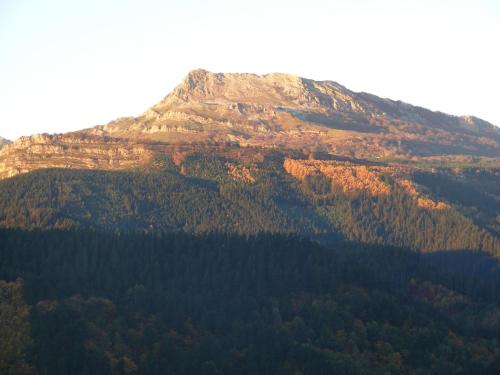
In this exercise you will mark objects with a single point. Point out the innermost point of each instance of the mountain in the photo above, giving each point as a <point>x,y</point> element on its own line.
<point>292,112</point>
<point>238,153</point>
<point>3,142</point>
<point>274,111</point>
<point>254,225</point>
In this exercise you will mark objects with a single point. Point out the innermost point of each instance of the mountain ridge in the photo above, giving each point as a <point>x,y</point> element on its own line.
<point>273,111</point>
<point>4,141</point>
<point>260,99</point>
<point>252,153</point>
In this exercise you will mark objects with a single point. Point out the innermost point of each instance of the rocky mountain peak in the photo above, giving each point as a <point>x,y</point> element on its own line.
<point>275,89</point>
<point>272,111</point>
<point>284,110</point>
<point>197,77</point>
<point>196,82</point>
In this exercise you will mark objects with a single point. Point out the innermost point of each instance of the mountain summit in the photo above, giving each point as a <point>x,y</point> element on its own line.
<point>288,111</point>
<point>272,111</point>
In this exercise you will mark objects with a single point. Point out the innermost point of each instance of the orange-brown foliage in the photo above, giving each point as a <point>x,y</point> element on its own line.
<point>350,178</point>
<point>354,178</point>
<point>240,173</point>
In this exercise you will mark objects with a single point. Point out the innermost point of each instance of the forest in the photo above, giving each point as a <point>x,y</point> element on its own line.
<point>200,197</point>
<point>87,302</point>
<point>215,266</point>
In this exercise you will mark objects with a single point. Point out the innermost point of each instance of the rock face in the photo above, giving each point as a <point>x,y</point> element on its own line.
<point>273,111</point>
<point>70,151</point>
<point>293,112</point>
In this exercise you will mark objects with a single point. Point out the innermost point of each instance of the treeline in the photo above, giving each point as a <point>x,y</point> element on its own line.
<point>102,303</point>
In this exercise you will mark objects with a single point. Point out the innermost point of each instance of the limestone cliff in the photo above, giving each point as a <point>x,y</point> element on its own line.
<point>288,111</point>
<point>273,111</point>
<point>70,151</point>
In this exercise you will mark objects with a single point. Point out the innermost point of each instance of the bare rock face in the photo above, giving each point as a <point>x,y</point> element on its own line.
<point>70,151</point>
<point>273,111</point>
<point>280,110</point>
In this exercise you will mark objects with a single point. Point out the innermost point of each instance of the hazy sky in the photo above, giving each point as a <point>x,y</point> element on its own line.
<point>67,64</point>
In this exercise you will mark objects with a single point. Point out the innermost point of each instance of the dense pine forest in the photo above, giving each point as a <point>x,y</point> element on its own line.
<point>200,197</point>
<point>216,266</point>
<point>84,302</point>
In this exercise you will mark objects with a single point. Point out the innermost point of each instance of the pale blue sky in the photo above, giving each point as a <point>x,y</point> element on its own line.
<point>67,65</point>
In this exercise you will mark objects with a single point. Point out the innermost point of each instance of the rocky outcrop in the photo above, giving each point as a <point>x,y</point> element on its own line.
<point>279,109</point>
<point>70,151</point>
<point>273,111</point>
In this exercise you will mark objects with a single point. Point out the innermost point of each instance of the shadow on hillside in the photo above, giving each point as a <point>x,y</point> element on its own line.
<point>466,262</point>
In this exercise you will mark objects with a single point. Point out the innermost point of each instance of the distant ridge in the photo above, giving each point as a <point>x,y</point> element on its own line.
<point>3,142</point>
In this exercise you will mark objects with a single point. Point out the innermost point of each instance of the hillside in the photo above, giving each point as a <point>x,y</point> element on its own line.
<point>99,303</point>
<point>274,111</point>
<point>242,153</point>
<point>322,199</point>
<point>254,225</point>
